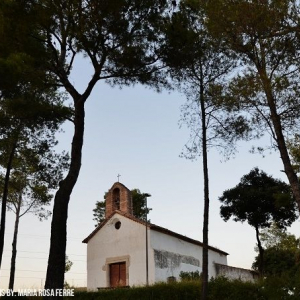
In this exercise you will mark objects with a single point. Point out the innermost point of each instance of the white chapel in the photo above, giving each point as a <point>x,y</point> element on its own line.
<point>126,251</point>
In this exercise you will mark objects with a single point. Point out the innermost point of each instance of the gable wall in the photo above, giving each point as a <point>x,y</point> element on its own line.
<point>110,245</point>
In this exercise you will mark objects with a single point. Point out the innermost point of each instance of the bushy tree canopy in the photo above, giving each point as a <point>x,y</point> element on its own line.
<point>265,37</point>
<point>281,255</point>
<point>260,200</point>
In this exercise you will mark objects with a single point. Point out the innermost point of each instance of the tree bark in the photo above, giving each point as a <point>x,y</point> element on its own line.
<point>204,291</point>
<point>261,253</point>
<point>56,260</point>
<point>280,140</point>
<point>14,245</point>
<point>4,197</point>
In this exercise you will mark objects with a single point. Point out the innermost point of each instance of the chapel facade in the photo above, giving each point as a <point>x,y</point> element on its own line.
<point>126,251</point>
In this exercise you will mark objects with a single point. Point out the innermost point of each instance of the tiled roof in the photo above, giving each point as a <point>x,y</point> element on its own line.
<point>152,227</point>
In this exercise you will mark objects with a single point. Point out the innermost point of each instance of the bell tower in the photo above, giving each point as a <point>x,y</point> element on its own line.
<point>118,198</point>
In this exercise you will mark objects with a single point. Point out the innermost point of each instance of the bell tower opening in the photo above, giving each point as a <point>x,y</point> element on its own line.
<point>116,198</point>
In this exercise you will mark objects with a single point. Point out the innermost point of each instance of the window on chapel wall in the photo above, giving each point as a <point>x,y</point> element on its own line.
<point>116,198</point>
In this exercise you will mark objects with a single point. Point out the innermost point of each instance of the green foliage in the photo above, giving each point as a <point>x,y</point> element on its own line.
<point>281,287</point>
<point>119,41</point>
<point>36,172</point>
<point>219,289</point>
<point>139,204</point>
<point>281,254</point>
<point>161,291</point>
<point>293,145</point>
<point>31,108</point>
<point>118,37</point>
<point>28,94</point>
<point>23,58</point>
<point>267,51</point>
<point>224,289</point>
<point>189,276</point>
<point>264,37</point>
<point>260,200</point>
<point>278,262</point>
<point>68,264</point>
<point>198,65</point>
<point>99,212</point>
<point>279,238</point>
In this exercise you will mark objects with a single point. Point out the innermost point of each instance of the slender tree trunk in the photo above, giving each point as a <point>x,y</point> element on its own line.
<point>261,253</point>
<point>4,198</point>
<point>14,245</point>
<point>204,292</point>
<point>56,260</point>
<point>280,140</point>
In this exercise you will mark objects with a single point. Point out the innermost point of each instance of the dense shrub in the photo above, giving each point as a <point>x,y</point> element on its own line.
<point>190,276</point>
<point>162,291</point>
<point>278,261</point>
<point>271,288</point>
<point>283,287</point>
<point>277,288</point>
<point>223,289</point>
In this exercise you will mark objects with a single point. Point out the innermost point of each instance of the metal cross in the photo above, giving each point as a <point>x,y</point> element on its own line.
<point>118,177</point>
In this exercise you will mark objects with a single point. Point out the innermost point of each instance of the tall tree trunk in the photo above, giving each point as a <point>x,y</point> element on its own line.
<point>261,253</point>
<point>204,292</point>
<point>14,245</point>
<point>4,197</point>
<point>56,260</point>
<point>279,139</point>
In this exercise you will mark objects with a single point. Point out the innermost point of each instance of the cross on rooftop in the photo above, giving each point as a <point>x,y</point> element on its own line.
<point>119,177</point>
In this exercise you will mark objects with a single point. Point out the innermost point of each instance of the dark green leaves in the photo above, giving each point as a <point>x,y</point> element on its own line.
<point>259,199</point>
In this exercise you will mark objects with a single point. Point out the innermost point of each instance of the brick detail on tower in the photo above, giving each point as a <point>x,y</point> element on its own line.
<point>118,198</point>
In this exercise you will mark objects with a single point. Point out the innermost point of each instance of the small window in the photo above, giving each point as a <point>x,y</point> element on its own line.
<point>118,225</point>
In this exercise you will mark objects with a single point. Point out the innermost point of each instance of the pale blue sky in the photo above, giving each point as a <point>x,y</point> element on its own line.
<point>134,132</point>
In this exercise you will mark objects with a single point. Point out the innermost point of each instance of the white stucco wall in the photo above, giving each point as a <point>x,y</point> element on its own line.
<point>173,255</point>
<point>168,255</point>
<point>110,244</point>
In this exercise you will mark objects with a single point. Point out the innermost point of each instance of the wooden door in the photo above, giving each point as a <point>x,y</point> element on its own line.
<point>117,274</point>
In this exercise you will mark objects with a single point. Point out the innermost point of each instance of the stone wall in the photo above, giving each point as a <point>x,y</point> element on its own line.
<point>235,273</point>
